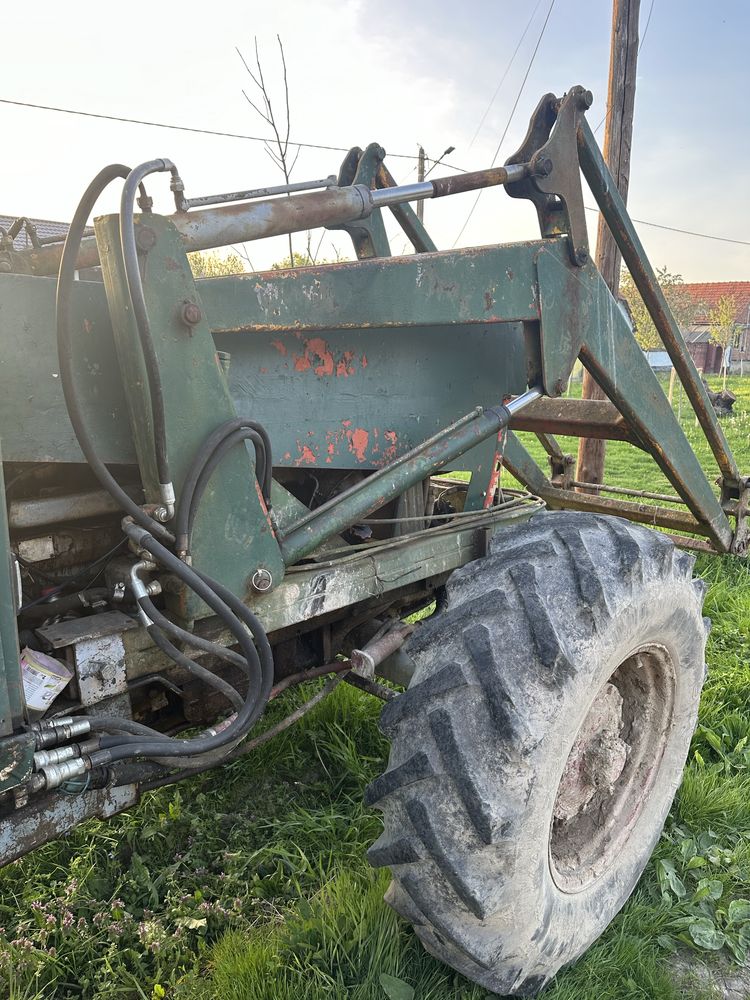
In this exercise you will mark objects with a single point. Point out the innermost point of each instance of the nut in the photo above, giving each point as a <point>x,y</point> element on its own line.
<point>191,313</point>
<point>145,238</point>
<point>262,581</point>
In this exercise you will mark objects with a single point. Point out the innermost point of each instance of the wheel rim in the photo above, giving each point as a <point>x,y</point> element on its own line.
<point>612,768</point>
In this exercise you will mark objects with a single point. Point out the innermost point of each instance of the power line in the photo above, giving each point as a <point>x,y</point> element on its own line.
<point>189,128</point>
<point>510,118</point>
<point>683,232</point>
<point>507,70</point>
<point>343,149</point>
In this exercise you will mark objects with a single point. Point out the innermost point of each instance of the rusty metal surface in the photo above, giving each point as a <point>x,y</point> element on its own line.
<point>406,217</point>
<point>68,633</point>
<point>613,209</point>
<point>555,187</point>
<point>597,418</point>
<point>642,513</point>
<point>470,181</point>
<point>40,821</point>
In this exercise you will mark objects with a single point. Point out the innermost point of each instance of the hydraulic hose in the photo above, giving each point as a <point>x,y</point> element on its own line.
<point>210,467</point>
<point>201,460</point>
<point>194,641</point>
<point>140,313</point>
<point>114,748</point>
<point>195,669</point>
<point>65,281</point>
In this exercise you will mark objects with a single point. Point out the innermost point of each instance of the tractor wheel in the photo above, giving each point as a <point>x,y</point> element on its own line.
<point>539,746</point>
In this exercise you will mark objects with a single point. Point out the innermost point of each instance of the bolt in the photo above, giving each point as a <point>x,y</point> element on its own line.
<point>262,580</point>
<point>161,514</point>
<point>585,99</point>
<point>145,237</point>
<point>543,167</point>
<point>191,314</point>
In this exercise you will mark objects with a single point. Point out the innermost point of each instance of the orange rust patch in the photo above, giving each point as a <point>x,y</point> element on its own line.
<point>364,361</point>
<point>318,347</point>
<point>345,368</point>
<point>301,363</point>
<point>306,455</point>
<point>264,371</point>
<point>358,440</point>
<point>390,452</point>
<point>279,347</point>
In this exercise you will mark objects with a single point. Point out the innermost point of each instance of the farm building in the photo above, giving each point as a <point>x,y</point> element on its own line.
<point>707,355</point>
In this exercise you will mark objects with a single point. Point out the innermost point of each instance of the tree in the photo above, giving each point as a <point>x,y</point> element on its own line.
<point>680,301</point>
<point>211,264</point>
<point>278,150</point>
<point>723,328</point>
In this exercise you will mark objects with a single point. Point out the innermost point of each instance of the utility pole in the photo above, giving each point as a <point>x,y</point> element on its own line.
<point>420,177</point>
<point>618,136</point>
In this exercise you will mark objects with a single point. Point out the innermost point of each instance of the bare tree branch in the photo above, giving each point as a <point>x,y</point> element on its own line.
<point>279,149</point>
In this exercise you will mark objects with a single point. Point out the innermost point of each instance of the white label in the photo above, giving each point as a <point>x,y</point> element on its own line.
<point>44,678</point>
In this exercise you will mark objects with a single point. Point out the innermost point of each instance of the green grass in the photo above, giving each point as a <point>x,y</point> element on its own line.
<point>251,883</point>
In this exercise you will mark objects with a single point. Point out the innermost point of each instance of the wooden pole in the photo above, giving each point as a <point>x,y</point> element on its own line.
<point>618,135</point>
<point>420,177</point>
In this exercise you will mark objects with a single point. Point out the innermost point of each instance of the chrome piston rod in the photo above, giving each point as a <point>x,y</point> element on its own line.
<point>225,225</point>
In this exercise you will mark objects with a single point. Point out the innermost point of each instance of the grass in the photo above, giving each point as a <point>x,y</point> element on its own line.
<point>251,883</point>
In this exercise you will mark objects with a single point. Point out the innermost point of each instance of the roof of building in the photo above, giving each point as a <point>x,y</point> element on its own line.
<point>709,293</point>
<point>44,228</point>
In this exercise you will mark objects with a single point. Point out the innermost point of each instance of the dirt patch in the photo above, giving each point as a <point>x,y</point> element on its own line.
<point>711,977</point>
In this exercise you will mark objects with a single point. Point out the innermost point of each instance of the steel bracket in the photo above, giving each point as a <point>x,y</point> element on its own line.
<point>741,539</point>
<point>551,147</point>
<point>368,235</point>
<point>562,469</point>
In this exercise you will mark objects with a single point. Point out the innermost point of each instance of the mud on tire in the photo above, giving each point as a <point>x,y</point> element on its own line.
<point>539,746</point>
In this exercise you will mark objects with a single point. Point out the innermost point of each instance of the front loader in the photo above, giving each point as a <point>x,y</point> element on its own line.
<point>218,488</point>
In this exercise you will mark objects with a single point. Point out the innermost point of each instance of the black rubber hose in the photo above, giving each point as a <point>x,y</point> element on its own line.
<point>203,455</point>
<point>65,281</point>
<point>254,625</point>
<point>140,312</point>
<point>233,696</point>
<point>121,748</point>
<point>195,641</point>
<point>210,467</point>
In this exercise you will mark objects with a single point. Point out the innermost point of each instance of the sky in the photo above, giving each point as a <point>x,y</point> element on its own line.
<point>419,71</point>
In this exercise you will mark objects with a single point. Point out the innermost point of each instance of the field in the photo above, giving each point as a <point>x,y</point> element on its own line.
<point>251,883</point>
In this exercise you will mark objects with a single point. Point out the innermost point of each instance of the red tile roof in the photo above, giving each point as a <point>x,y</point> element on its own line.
<point>708,293</point>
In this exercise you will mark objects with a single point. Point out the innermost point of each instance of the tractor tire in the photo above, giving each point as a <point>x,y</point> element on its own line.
<point>537,750</point>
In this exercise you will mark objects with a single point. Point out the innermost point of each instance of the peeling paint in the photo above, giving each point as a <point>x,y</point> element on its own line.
<point>358,441</point>
<point>306,455</point>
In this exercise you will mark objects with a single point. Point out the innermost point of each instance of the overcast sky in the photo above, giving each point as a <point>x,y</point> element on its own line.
<point>420,71</point>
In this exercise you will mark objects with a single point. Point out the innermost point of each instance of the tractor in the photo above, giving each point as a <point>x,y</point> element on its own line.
<point>217,488</point>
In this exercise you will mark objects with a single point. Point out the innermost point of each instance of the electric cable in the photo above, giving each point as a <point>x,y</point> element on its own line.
<point>510,117</point>
<point>507,70</point>
<point>187,128</point>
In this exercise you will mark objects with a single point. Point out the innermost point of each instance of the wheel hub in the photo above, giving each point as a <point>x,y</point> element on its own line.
<point>598,756</point>
<point>611,768</point>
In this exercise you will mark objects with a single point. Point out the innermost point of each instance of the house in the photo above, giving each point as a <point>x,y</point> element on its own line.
<point>707,295</point>
<point>44,230</point>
